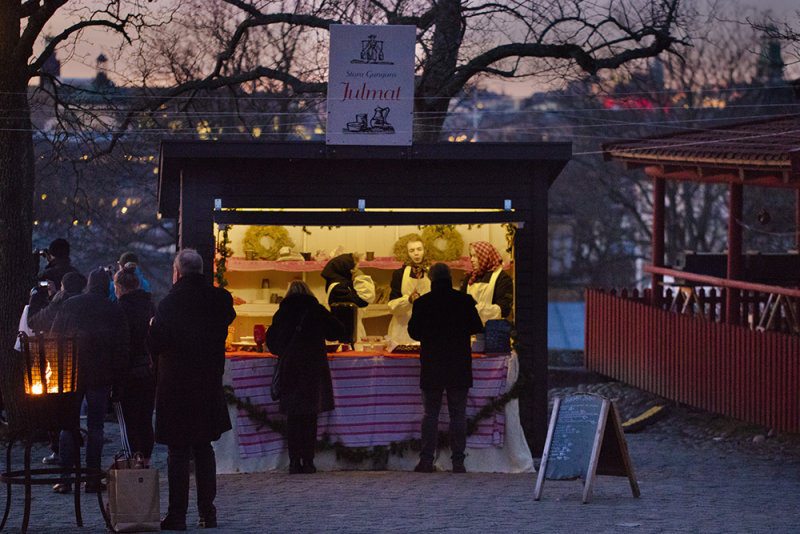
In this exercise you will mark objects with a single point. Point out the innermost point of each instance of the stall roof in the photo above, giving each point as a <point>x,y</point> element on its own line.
<point>321,168</point>
<point>764,152</point>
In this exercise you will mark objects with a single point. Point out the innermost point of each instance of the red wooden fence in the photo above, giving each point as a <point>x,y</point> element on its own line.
<point>732,370</point>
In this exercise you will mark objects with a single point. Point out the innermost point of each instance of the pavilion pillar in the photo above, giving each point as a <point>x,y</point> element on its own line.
<point>797,219</point>
<point>735,201</point>
<point>657,239</point>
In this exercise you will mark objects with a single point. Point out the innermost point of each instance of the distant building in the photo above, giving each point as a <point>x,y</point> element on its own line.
<point>769,69</point>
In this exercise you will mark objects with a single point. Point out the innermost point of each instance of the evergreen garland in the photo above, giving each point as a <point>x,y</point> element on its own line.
<point>223,253</point>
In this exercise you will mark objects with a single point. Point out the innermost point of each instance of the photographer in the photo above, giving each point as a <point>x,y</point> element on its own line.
<point>58,264</point>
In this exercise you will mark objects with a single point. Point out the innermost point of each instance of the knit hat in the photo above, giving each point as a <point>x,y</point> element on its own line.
<point>128,257</point>
<point>99,282</point>
<point>73,282</point>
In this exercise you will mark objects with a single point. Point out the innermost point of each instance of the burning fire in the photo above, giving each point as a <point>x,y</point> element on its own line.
<point>37,388</point>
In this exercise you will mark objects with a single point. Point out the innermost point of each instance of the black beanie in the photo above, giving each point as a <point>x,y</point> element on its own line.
<point>73,282</point>
<point>99,282</point>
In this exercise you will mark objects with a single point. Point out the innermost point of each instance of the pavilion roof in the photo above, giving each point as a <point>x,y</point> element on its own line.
<point>764,152</point>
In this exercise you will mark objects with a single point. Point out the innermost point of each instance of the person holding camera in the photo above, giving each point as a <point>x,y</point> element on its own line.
<point>58,264</point>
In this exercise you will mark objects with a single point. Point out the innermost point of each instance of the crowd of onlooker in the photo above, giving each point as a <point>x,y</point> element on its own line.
<point>110,311</point>
<point>136,356</point>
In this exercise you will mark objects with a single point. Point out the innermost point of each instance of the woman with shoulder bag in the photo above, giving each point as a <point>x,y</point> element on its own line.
<point>297,335</point>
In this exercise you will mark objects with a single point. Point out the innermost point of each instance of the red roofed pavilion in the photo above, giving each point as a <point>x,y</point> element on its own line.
<point>719,338</point>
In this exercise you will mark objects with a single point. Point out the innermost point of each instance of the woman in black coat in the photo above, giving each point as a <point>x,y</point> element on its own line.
<point>297,335</point>
<point>139,384</point>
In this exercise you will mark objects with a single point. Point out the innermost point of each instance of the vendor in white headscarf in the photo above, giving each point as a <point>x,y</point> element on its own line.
<point>344,282</point>
<point>409,282</point>
<point>490,286</point>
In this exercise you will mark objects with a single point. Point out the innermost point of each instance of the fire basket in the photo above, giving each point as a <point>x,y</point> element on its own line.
<point>50,402</point>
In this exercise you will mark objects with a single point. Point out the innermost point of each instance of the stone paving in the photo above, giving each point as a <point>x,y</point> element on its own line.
<point>725,480</point>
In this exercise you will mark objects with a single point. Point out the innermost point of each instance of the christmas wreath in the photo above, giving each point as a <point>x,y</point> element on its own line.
<point>278,236</point>
<point>454,243</point>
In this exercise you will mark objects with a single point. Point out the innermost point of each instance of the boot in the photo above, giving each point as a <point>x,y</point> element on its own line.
<point>295,467</point>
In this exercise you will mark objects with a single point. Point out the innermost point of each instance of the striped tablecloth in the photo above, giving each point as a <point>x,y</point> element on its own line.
<point>378,401</point>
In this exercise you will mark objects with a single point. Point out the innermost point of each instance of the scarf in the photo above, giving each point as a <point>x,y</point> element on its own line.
<point>488,260</point>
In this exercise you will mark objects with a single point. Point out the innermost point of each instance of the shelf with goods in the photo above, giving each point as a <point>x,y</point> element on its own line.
<point>258,284</point>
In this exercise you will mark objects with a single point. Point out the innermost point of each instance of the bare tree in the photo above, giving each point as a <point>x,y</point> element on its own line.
<point>275,46</point>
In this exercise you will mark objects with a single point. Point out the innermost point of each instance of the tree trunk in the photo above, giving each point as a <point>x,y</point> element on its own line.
<point>16,209</point>
<point>435,88</point>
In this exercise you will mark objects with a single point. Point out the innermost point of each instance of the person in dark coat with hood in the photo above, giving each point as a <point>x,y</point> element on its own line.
<point>297,335</point>
<point>72,284</point>
<point>102,359</point>
<point>346,283</point>
<point>187,342</point>
<point>138,393</point>
<point>58,264</point>
<point>444,321</point>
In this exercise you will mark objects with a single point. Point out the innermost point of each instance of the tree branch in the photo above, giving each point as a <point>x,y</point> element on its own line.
<point>50,49</point>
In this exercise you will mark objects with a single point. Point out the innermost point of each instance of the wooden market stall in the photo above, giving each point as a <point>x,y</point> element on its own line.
<point>309,184</point>
<point>725,337</point>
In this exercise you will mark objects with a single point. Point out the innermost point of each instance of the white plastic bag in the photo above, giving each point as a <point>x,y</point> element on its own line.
<point>23,327</point>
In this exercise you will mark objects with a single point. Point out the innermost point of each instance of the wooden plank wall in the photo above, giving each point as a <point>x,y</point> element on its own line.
<point>732,370</point>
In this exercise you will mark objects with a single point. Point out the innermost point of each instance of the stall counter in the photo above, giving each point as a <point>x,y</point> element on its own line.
<point>378,401</point>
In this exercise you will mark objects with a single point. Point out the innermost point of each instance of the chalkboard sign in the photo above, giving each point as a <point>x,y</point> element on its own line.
<point>573,436</point>
<point>585,438</point>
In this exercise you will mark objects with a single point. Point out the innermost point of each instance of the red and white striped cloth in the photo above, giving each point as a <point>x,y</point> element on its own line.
<point>378,401</point>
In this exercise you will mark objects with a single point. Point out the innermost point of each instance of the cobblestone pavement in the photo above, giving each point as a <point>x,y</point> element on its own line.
<point>697,473</point>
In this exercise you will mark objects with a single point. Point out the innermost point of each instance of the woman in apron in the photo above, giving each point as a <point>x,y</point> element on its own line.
<point>408,283</point>
<point>344,282</point>
<point>490,286</point>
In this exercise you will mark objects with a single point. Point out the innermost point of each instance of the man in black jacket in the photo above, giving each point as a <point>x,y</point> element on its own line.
<point>187,343</point>
<point>443,321</point>
<point>102,332</point>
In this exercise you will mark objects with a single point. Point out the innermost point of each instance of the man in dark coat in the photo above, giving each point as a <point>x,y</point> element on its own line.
<point>443,321</point>
<point>187,342</point>
<point>102,332</point>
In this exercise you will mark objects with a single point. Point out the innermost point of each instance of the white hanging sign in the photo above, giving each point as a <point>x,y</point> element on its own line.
<point>371,85</point>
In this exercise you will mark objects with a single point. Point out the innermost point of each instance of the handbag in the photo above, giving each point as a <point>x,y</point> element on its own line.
<point>275,386</point>
<point>134,503</point>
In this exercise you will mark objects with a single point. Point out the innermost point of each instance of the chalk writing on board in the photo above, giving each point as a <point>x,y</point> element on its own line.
<point>573,436</point>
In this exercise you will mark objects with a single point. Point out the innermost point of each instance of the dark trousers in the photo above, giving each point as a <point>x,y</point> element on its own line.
<point>96,406</point>
<point>457,408</point>
<point>301,436</point>
<point>205,474</point>
<point>138,398</point>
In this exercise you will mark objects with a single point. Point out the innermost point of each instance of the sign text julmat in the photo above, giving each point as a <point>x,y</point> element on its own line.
<point>371,85</point>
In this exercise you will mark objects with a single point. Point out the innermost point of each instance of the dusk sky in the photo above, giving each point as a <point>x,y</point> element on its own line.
<point>82,64</point>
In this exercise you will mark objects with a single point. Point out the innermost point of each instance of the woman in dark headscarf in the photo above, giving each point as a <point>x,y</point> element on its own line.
<point>344,282</point>
<point>489,285</point>
<point>297,334</point>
